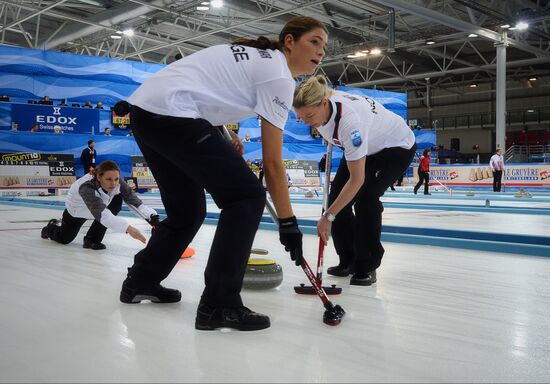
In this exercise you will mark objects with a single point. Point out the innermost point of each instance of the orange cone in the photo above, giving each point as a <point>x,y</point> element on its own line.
<point>187,253</point>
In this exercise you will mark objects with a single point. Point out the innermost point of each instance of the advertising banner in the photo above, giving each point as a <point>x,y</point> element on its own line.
<point>68,119</point>
<point>36,170</point>
<point>303,173</point>
<point>481,174</point>
<point>142,174</point>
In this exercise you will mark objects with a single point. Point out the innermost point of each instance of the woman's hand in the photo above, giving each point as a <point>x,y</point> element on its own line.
<point>136,234</point>
<point>236,142</point>
<point>323,229</point>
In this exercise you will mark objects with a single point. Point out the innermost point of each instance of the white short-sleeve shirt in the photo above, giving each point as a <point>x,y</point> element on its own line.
<point>222,84</point>
<point>365,126</point>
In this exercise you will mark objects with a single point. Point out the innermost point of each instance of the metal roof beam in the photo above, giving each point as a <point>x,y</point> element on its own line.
<point>441,18</point>
<point>458,71</point>
<point>214,31</point>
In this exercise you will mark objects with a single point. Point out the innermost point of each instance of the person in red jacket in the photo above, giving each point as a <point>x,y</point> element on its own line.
<point>423,172</point>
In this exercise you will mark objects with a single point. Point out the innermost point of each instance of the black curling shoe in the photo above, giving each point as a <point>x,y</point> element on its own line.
<point>91,245</point>
<point>339,270</point>
<point>240,318</point>
<point>364,279</point>
<point>45,231</point>
<point>157,294</point>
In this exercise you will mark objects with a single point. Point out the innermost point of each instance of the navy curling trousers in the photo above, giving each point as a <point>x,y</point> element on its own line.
<point>187,156</point>
<point>356,235</point>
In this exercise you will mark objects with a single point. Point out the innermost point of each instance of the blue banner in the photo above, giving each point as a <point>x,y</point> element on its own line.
<point>68,119</point>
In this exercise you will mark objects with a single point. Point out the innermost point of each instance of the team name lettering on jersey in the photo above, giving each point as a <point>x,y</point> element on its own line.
<point>368,99</point>
<point>264,54</point>
<point>239,52</point>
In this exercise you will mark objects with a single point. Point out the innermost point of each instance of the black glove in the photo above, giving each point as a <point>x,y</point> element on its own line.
<point>291,237</point>
<point>154,220</point>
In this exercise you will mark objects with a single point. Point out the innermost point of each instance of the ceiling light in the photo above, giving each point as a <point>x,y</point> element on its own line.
<point>430,42</point>
<point>119,32</point>
<point>505,26</point>
<point>128,32</point>
<point>216,3</point>
<point>512,28</point>
<point>530,110</point>
<point>116,37</point>
<point>360,54</point>
<point>202,8</point>
<point>522,26</point>
<point>532,79</point>
<point>473,85</point>
<point>365,51</point>
<point>205,3</point>
<point>472,35</point>
<point>376,51</point>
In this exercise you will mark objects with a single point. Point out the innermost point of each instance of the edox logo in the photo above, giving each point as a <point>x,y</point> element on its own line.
<point>56,110</point>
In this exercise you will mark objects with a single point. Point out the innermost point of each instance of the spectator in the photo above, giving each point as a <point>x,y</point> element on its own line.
<point>76,105</point>
<point>99,105</point>
<point>130,133</point>
<point>46,101</point>
<point>88,156</point>
<point>4,98</point>
<point>107,131</point>
<point>88,104</point>
<point>547,136</point>
<point>63,103</point>
<point>57,129</point>
<point>34,128</point>
<point>246,138</point>
<point>14,126</point>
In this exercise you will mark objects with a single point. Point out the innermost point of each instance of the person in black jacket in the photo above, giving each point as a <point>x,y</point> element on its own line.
<point>88,156</point>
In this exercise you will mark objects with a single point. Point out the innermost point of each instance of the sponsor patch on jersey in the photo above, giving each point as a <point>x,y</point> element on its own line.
<point>356,138</point>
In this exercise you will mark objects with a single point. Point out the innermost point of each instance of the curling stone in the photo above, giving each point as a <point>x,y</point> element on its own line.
<point>262,274</point>
<point>259,251</point>
<point>470,193</point>
<point>187,253</point>
<point>518,194</point>
<point>308,194</point>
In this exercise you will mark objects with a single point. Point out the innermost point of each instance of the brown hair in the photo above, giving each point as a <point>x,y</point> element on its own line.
<point>296,27</point>
<point>106,166</point>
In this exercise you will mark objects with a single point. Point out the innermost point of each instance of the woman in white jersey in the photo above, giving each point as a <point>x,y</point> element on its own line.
<point>378,147</point>
<point>174,114</point>
<point>97,196</point>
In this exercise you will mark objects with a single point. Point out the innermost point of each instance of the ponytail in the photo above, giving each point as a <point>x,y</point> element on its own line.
<point>261,42</point>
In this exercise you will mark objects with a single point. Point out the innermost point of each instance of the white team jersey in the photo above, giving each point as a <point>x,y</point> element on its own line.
<point>365,126</point>
<point>222,84</point>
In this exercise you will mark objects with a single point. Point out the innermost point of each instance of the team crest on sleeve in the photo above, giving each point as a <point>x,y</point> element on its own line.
<point>356,138</point>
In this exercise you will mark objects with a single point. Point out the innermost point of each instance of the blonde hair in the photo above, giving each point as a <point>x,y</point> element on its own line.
<point>311,92</point>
